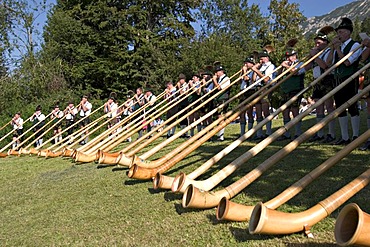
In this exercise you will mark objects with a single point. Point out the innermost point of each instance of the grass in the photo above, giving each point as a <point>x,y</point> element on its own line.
<point>54,202</point>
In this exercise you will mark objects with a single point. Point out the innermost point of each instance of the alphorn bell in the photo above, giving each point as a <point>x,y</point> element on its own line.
<point>352,226</point>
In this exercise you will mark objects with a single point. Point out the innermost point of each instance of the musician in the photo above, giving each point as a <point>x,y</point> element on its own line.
<point>206,77</point>
<point>365,59</point>
<point>342,45</point>
<point>17,123</point>
<point>290,88</point>
<point>221,81</point>
<point>319,65</point>
<point>71,112</point>
<point>150,99</point>
<point>110,107</point>
<point>195,84</point>
<point>246,81</point>
<point>85,110</point>
<point>264,67</point>
<point>139,99</point>
<point>127,111</point>
<point>56,115</point>
<point>182,88</point>
<point>171,96</point>
<point>39,118</point>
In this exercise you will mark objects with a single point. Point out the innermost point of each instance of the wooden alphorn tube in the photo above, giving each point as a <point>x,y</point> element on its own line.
<point>269,221</point>
<point>228,210</point>
<point>193,197</point>
<point>352,226</point>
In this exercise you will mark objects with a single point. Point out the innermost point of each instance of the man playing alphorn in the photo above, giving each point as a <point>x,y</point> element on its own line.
<point>85,110</point>
<point>17,123</point>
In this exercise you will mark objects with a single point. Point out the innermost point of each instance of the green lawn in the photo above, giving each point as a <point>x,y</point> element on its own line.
<point>54,202</point>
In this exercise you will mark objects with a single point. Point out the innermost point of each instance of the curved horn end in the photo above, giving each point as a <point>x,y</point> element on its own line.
<point>162,182</point>
<point>177,182</point>
<point>352,226</point>
<point>231,211</point>
<point>196,198</point>
<point>2,155</point>
<point>257,218</point>
<point>123,160</point>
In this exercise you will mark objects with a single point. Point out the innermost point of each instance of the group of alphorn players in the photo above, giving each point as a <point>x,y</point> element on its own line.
<point>202,102</point>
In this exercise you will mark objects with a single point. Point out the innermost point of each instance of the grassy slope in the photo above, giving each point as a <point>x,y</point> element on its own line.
<point>55,202</point>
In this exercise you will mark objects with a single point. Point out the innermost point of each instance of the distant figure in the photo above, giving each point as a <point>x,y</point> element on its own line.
<point>17,123</point>
<point>85,110</point>
<point>39,118</point>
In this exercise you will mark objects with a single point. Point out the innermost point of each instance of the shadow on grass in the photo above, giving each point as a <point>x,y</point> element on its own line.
<point>309,244</point>
<point>243,235</point>
<point>134,182</point>
<point>181,210</point>
<point>214,221</point>
<point>170,196</point>
<point>156,191</point>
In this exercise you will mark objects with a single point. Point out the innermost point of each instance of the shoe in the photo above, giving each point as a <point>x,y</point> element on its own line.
<point>257,138</point>
<point>316,138</point>
<point>220,139</point>
<point>342,142</point>
<point>354,138</point>
<point>295,137</point>
<point>328,139</point>
<point>283,137</point>
<point>365,146</point>
<point>169,136</point>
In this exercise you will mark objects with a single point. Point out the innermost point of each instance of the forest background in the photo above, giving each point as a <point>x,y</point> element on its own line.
<point>97,47</point>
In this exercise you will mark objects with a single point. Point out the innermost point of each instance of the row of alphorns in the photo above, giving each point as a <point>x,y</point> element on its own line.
<point>263,218</point>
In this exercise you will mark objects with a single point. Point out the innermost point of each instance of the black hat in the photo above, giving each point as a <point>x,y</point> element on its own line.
<point>197,75</point>
<point>38,108</point>
<point>182,76</point>
<point>206,72</point>
<point>345,24</point>
<point>290,51</point>
<point>56,106</point>
<point>322,36</point>
<point>249,60</point>
<point>219,68</point>
<point>263,53</point>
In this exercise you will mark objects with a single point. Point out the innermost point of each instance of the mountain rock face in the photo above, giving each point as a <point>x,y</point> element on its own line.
<point>357,9</point>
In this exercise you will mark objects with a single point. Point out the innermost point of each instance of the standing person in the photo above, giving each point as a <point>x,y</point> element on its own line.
<point>264,67</point>
<point>291,87</point>
<point>365,59</point>
<point>182,88</point>
<point>39,118</point>
<point>342,45</point>
<point>17,123</point>
<point>85,110</point>
<point>221,81</point>
<point>319,66</point>
<point>171,97</point>
<point>56,115</point>
<point>207,77</point>
<point>110,107</point>
<point>127,111</point>
<point>70,112</point>
<point>247,80</point>
<point>139,102</point>
<point>150,99</point>
<point>195,84</point>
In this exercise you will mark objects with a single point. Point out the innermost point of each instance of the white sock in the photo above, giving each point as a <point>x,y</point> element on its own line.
<point>221,134</point>
<point>355,122</point>
<point>320,133</point>
<point>343,123</point>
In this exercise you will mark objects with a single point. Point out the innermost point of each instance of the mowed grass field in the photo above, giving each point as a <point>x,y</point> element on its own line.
<point>55,202</point>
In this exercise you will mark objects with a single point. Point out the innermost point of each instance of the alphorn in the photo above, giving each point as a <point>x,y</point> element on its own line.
<point>228,210</point>
<point>115,127</point>
<point>13,152</point>
<point>181,181</point>
<point>352,226</point>
<point>5,125</point>
<point>125,161</point>
<point>193,197</point>
<point>122,156</point>
<point>90,156</point>
<point>12,131</point>
<point>67,150</point>
<point>141,173</point>
<point>268,221</point>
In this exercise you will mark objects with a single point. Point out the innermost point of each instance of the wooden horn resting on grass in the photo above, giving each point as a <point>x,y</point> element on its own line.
<point>179,183</point>
<point>21,150</point>
<point>268,221</point>
<point>122,159</point>
<point>12,131</point>
<point>141,161</point>
<point>93,145</point>
<point>143,173</point>
<point>139,172</point>
<point>194,197</point>
<point>352,226</point>
<point>106,146</point>
<point>228,210</point>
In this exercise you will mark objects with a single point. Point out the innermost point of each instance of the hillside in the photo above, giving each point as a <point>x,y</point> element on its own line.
<point>357,9</point>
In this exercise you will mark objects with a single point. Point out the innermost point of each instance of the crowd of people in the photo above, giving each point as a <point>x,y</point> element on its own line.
<point>257,71</point>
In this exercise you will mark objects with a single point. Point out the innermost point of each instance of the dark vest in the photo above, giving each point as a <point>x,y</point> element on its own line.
<point>342,70</point>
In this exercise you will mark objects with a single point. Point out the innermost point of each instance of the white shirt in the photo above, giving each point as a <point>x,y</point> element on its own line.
<point>223,81</point>
<point>40,117</point>
<point>316,69</point>
<point>69,115</point>
<point>267,69</point>
<point>88,106</point>
<point>355,56</point>
<point>18,123</point>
